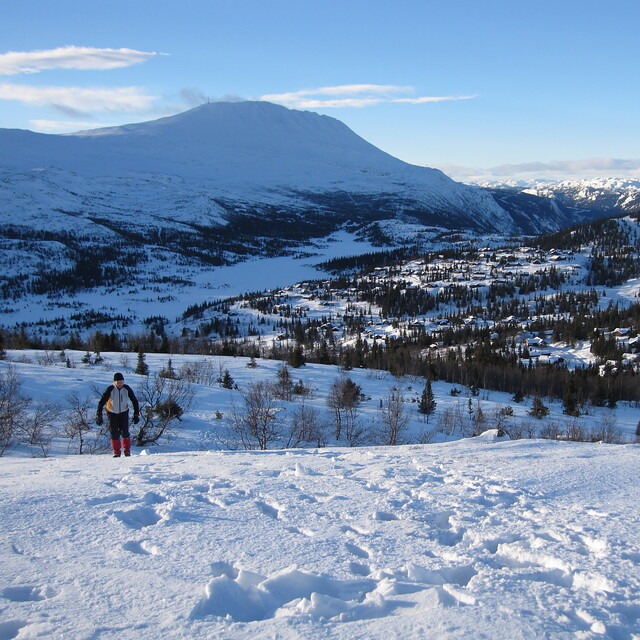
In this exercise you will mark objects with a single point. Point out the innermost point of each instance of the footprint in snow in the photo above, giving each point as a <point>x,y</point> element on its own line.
<point>359,569</point>
<point>268,510</point>
<point>138,518</point>
<point>143,548</point>
<point>357,551</point>
<point>116,497</point>
<point>302,532</point>
<point>11,628</point>
<point>384,516</point>
<point>153,498</point>
<point>28,593</point>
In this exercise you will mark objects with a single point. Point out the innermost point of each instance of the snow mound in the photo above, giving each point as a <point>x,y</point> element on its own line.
<point>493,435</point>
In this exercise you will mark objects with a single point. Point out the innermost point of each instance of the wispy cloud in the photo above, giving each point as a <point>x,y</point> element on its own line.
<point>589,166</point>
<point>352,95</point>
<point>75,100</point>
<point>58,126</point>
<point>21,62</point>
<point>558,170</point>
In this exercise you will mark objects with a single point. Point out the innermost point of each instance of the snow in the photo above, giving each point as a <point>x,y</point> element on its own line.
<point>474,539</point>
<point>471,538</point>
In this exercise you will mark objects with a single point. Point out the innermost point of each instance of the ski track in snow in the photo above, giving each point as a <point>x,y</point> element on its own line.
<point>350,542</point>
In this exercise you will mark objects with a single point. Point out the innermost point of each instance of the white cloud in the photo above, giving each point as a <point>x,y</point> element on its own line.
<point>426,99</point>
<point>17,62</point>
<point>80,100</point>
<point>64,126</point>
<point>352,95</point>
<point>557,170</point>
<point>587,167</point>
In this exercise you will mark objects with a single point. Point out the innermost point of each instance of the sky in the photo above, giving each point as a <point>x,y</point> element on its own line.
<point>486,90</point>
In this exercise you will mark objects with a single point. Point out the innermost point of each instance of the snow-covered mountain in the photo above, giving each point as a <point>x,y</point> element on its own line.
<point>216,162</point>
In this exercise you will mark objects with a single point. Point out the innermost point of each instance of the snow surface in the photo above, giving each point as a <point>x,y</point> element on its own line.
<point>473,538</point>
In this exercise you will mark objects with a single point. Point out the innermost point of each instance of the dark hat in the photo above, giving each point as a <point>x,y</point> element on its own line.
<point>117,376</point>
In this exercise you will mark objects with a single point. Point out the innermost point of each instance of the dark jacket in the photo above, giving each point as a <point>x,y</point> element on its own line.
<point>116,400</point>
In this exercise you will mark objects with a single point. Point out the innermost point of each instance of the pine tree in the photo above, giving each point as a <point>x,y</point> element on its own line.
<point>570,399</point>
<point>168,371</point>
<point>427,404</point>
<point>227,380</point>
<point>538,410</point>
<point>141,368</point>
<point>284,384</point>
<point>296,357</point>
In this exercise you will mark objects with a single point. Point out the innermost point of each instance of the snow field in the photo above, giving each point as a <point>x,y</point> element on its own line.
<point>475,538</point>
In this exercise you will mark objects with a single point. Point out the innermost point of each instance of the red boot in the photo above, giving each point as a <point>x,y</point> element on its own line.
<point>116,448</point>
<point>126,443</point>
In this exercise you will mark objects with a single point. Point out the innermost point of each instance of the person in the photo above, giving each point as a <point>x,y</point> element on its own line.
<point>116,399</point>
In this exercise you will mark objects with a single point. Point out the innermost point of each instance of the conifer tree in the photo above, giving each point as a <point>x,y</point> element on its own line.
<point>296,357</point>
<point>227,381</point>
<point>538,410</point>
<point>570,399</point>
<point>427,404</point>
<point>141,368</point>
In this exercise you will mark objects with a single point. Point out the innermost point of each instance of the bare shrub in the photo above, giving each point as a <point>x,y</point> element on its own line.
<point>550,430</point>
<point>343,400</point>
<point>38,430</point>
<point>14,408</point>
<point>202,372</point>
<point>79,428</point>
<point>306,427</point>
<point>46,358</point>
<point>394,418</point>
<point>529,429</point>
<point>426,435</point>
<point>453,420</point>
<point>163,401</point>
<point>256,426</point>
<point>575,432</point>
<point>355,433</point>
<point>606,430</point>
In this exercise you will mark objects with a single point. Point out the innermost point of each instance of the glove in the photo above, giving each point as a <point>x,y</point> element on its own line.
<point>136,418</point>
<point>99,419</point>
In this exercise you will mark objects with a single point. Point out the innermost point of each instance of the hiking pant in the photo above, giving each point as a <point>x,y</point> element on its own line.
<point>118,424</point>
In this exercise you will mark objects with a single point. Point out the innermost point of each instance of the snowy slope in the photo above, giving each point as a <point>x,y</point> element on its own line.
<point>477,538</point>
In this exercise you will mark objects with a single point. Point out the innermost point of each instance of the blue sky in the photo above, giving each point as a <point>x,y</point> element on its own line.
<point>474,87</point>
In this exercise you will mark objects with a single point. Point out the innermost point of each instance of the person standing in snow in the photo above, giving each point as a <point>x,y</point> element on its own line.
<point>116,398</point>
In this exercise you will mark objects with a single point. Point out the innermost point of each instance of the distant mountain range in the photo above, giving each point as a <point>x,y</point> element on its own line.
<point>594,197</point>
